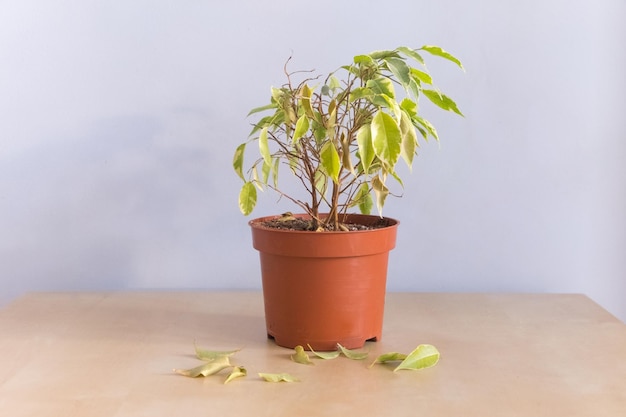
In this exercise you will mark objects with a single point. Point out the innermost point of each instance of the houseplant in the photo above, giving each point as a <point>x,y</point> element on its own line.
<point>340,137</point>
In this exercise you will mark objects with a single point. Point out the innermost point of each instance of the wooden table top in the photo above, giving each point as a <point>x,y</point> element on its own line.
<point>112,354</point>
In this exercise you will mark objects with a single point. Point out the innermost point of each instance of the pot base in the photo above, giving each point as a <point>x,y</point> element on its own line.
<point>323,346</point>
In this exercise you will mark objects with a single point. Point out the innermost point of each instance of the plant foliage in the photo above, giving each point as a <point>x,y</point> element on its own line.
<point>342,136</point>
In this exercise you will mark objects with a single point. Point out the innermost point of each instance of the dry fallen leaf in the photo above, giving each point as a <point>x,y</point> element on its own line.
<point>325,355</point>
<point>300,356</point>
<point>237,372</point>
<point>210,355</point>
<point>206,369</point>
<point>278,377</point>
<point>352,354</point>
<point>424,356</point>
<point>389,357</point>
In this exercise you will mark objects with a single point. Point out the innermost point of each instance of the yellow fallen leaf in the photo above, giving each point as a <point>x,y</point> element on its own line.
<point>325,355</point>
<point>237,372</point>
<point>210,355</point>
<point>389,357</point>
<point>206,369</point>
<point>300,356</point>
<point>352,354</point>
<point>278,377</point>
<point>424,356</point>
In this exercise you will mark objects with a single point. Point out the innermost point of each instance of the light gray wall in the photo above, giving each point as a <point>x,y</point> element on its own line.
<point>119,119</point>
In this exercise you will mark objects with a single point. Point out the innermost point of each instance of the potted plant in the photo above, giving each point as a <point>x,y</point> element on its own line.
<point>340,137</point>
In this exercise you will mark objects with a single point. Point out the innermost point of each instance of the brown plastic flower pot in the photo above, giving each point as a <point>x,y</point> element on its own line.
<point>324,288</point>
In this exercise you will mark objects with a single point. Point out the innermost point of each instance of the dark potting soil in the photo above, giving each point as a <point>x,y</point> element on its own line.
<point>305,225</point>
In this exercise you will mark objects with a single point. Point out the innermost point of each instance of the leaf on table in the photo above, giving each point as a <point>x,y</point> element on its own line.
<point>278,377</point>
<point>211,355</point>
<point>389,357</point>
<point>237,372</point>
<point>424,356</point>
<point>300,356</point>
<point>352,354</point>
<point>325,355</point>
<point>206,369</point>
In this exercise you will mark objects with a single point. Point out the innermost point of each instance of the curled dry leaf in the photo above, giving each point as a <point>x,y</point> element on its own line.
<point>206,369</point>
<point>424,356</point>
<point>211,355</point>
<point>237,372</point>
<point>325,355</point>
<point>389,357</point>
<point>278,377</point>
<point>300,356</point>
<point>352,354</point>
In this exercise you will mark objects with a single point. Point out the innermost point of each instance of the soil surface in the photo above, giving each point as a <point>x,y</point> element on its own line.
<point>306,225</point>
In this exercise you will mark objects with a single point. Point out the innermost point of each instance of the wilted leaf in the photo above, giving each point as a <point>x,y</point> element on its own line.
<point>352,354</point>
<point>300,356</point>
<point>278,377</point>
<point>424,356</point>
<point>206,369</point>
<point>325,355</point>
<point>389,357</point>
<point>211,355</point>
<point>237,372</point>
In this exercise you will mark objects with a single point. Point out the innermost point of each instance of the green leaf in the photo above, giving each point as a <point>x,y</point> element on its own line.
<point>389,357</point>
<point>262,108</point>
<point>364,199</point>
<point>381,85</point>
<point>400,69</point>
<point>321,182</point>
<point>305,100</point>
<point>238,160</point>
<point>300,356</point>
<point>325,355</point>
<point>334,83</point>
<point>278,377</point>
<point>363,59</point>
<point>265,172</point>
<point>422,76</point>
<point>360,92</point>
<point>428,126</point>
<point>424,356</point>
<point>386,139</point>
<point>442,101</point>
<point>264,147</point>
<point>237,372</point>
<point>409,139</point>
<point>411,53</point>
<point>210,355</point>
<point>275,172</point>
<point>366,147</point>
<point>409,106</point>
<point>302,126</point>
<point>352,354</point>
<point>329,158</point>
<point>247,198</point>
<point>383,54</point>
<point>206,369</point>
<point>437,51</point>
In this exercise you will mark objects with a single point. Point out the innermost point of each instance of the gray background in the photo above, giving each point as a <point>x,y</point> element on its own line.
<point>119,120</point>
